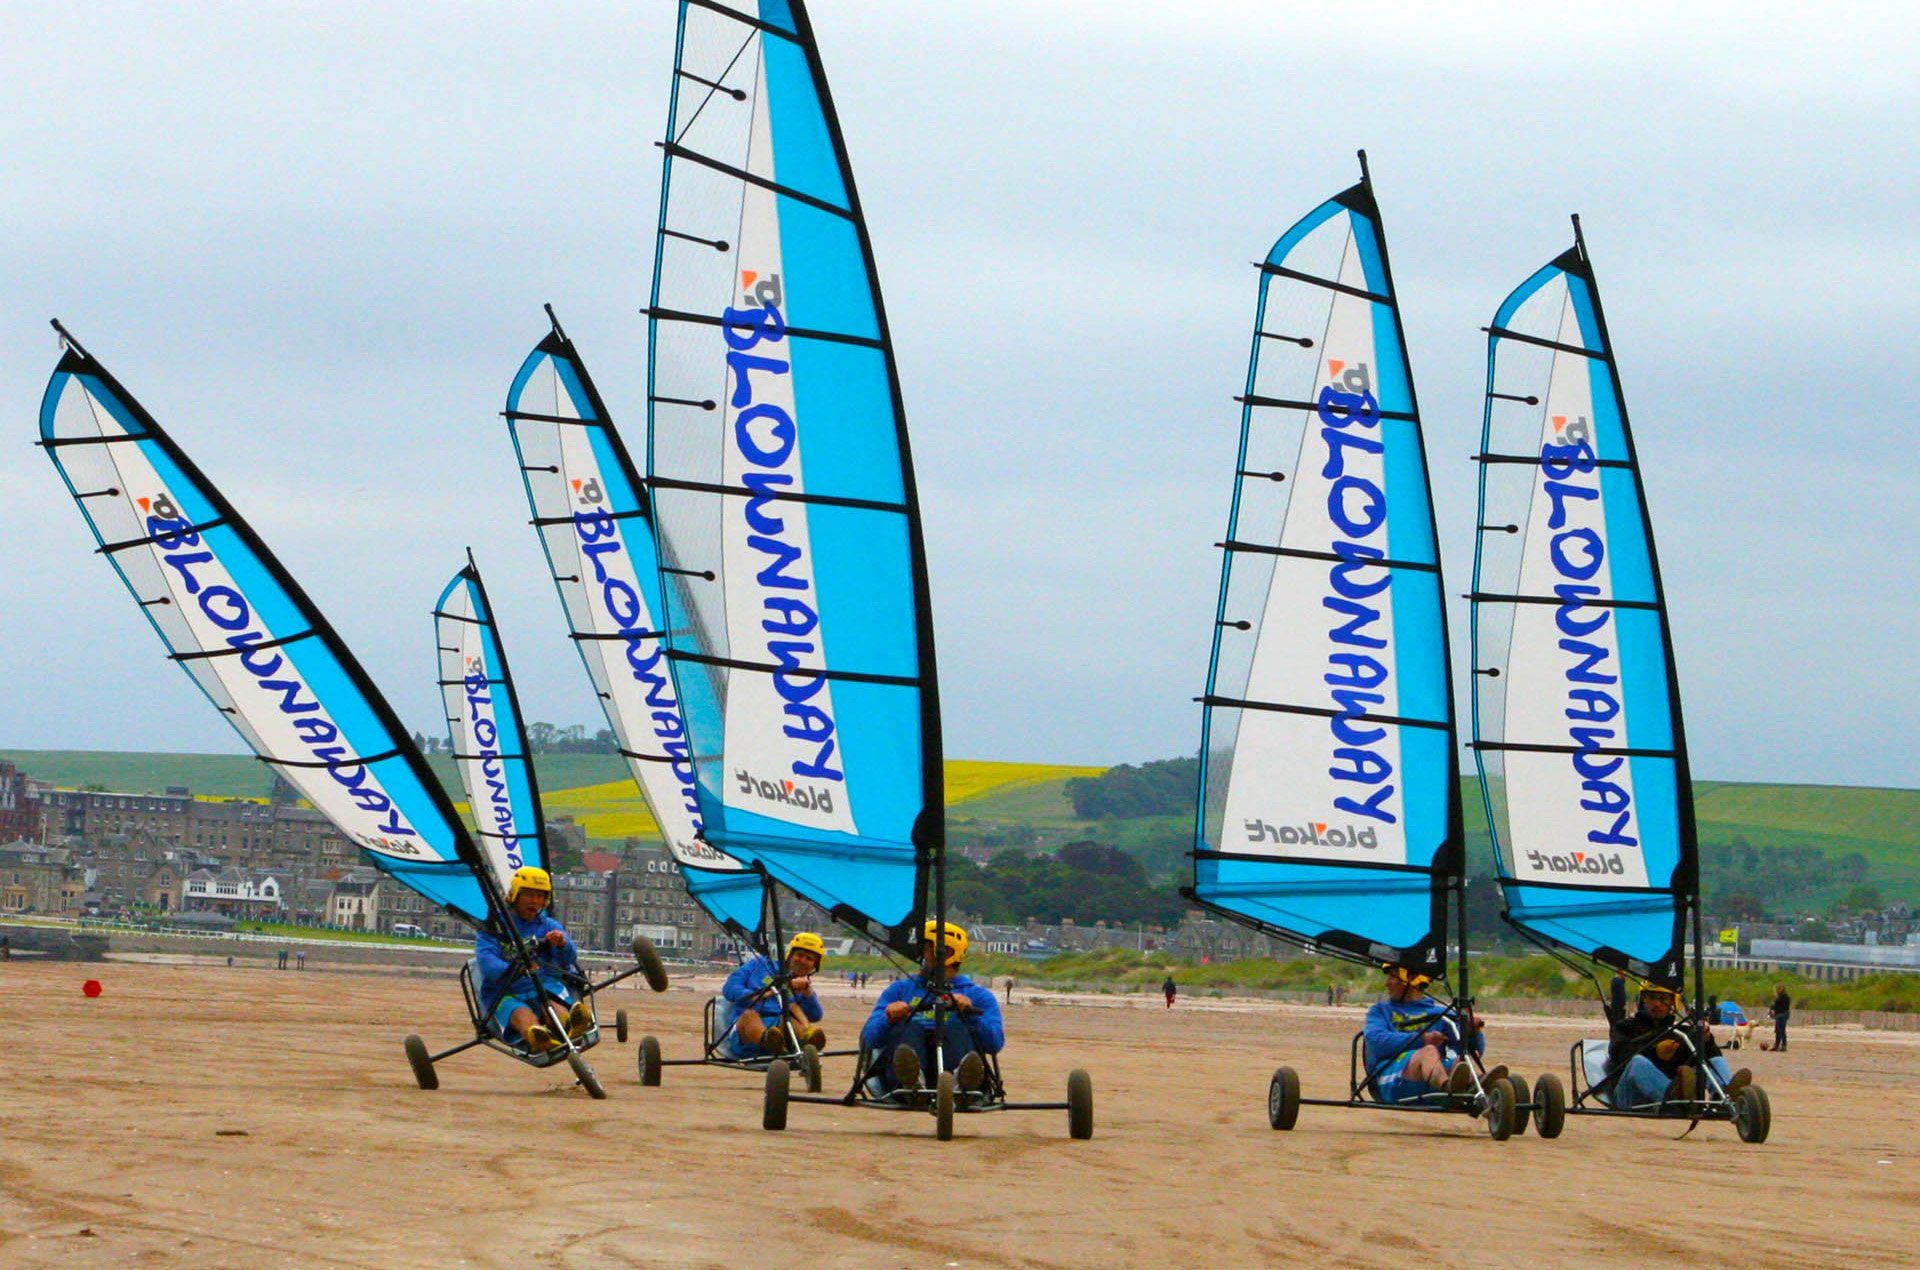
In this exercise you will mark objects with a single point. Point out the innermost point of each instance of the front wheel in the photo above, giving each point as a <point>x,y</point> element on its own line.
<point>1752,1115</point>
<point>422,1063</point>
<point>620,1026</point>
<point>1079,1105</point>
<point>1500,1111</point>
<point>584,1074</point>
<point>1549,1106</point>
<point>650,1064</point>
<point>1283,1098</point>
<point>943,1107</point>
<point>773,1111</point>
<point>651,968</point>
<point>810,1068</point>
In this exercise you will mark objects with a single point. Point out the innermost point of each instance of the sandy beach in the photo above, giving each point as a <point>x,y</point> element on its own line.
<point>206,1115</point>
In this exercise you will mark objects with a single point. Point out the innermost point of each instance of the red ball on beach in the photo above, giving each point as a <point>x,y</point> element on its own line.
<point>91,987</point>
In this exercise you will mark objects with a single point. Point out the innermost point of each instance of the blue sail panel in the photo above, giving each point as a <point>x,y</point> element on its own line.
<point>792,561</point>
<point>251,640</point>
<point>1576,709</point>
<point>484,725</point>
<point>1329,782</point>
<point>596,526</point>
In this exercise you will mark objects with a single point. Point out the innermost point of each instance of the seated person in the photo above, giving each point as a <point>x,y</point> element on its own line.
<point>1648,1048</point>
<point>507,995</point>
<point>901,1027</point>
<point>1413,1045</point>
<point>748,1013</point>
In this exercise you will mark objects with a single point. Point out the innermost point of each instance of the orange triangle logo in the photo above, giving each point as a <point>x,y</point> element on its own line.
<point>747,276</point>
<point>576,487</point>
<point>1559,422</point>
<point>789,785</point>
<point>143,503</point>
<point>1579,858</point>
<point>1321,827</point>
<point>1334,368</point>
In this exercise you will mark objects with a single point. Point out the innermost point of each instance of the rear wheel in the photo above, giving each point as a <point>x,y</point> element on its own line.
<point>1549,1106</point>
<point>620,1026</point>
<point>1521,1113</point>
<point>1752,1115</point>
<point>1283,1098</point>
<point>1079,1105</point>
<point>943,1107</point>
<point>650,968</point>
<point>584,1074</point>
<point>422,1063</point>
<point>773,1112</point>
<point>650,1065</point>
<point>1500,1111</point>
<point>810,1068</point>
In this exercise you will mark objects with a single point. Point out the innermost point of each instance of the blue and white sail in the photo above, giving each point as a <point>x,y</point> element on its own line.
<point>778,460</point>
<point>1329,789</point>
<point>243,630</point>
<point>1576,708</point>
<point>596,526</point>
<point>486,729</point>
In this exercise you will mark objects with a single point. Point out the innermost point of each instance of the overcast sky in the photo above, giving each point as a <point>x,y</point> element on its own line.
<point>314,240</point>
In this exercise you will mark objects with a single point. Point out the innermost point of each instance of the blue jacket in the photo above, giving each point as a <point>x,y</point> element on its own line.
<point>497,971</point>
<point>983,1022</point>
<point>1394,1028</point>
<point>753,976</point>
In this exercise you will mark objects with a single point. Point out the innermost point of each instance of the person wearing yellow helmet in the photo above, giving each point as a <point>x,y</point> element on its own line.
<point>901,1031</point>
<point>1416,1045</point>
<point>508,995</point>
<point>1657,1055</point>
<point>767,1008</point>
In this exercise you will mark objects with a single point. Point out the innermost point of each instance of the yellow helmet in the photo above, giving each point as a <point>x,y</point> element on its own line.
<point>528,878</point>
<point>807,941</point>
<point>1671,996</point>
<point>956,940</point>
<point>1414,978</point>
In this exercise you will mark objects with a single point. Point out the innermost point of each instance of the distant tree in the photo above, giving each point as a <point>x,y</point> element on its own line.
<point>1740,907</point>
<point>1161,788</point>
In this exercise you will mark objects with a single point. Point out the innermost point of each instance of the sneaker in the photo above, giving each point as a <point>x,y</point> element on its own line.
<point>971,1072</point>
<point>1739,1081</point>
<point>816,1037</point>
<point>774,1040</point>
<point>906,1067</point>
<point>579,1020</point>
<point>540,1039</point>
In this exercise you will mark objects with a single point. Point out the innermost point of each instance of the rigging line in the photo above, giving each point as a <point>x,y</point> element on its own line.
<point>757,23</point>
<point>1304,341</point>
<point>1506,334</point>
<point>624,637</point>
<point>1572,602</point>
<point>675,150</point>
<point>718,244</point>
<point>770,668</point>
<point>457,683</point>
<point>103,439</point>
<point>705,403</point>
<point>1605,751</point>
<point>332,764</point>
<point>795,332</point>
<point>724,72</point>
<point>637,513</point>
<point>462,617</point>
<point>165,535</point>
<point>1322,712</point>
<point>1281,271</point>
<point>1508,396</point>
<point>775,495</point>
<point>517,758</point>
<point>518,416</point>
<point>738,94</point>
<point>1536,461</point>
<point>1354,416</point>
<point>1301,553</point>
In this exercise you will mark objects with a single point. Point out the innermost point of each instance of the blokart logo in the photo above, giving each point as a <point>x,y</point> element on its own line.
<point>1316,833</point>
<point>485,731</point>
<point>1592,862</point>
<point>786,793</point>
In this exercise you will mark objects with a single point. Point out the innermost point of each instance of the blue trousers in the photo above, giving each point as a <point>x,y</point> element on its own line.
<point>916,1030</point>
<point>1643,1083</point>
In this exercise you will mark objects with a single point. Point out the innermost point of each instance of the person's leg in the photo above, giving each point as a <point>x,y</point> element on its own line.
<point>1427,1066</point>
<point>749,1027</point>
<point>1640,1085</point>
<point>1780,1034</point>
<point>799,1025</point>
<point>1718,1066</point>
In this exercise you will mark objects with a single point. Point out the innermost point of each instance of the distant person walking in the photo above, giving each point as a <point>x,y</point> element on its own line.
<point>283,960</point>
<point>300,960</point>
<point>1782,1007</point>
<point>1170,990</point>
<point>1009,987</point>
<point>6,948</point>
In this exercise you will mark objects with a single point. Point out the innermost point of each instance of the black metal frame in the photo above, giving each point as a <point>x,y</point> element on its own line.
<point>484,1033</point>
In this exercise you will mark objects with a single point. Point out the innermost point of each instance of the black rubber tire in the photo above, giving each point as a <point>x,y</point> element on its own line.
<point>810,1068</point>
<point>422,1063</point>
<point>1752,1115</point>
<point>1283,1098</point>
<point>584,1074</point>
<point>1079,1105</point>
<point>650,1064</point>
<point>620,1026</point>
<point>943,1107</point>
<point>650,968</point>
<point>773,1112</point>
<point>1500,1110</point>
<point>1549,1106</point>
<point>1521,1113</point>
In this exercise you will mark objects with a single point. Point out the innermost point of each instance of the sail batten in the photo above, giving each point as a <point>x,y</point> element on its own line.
<point>251,640</point>
<point>1329,801</point>
<point>792,562</point>
<point>1576,710</point>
